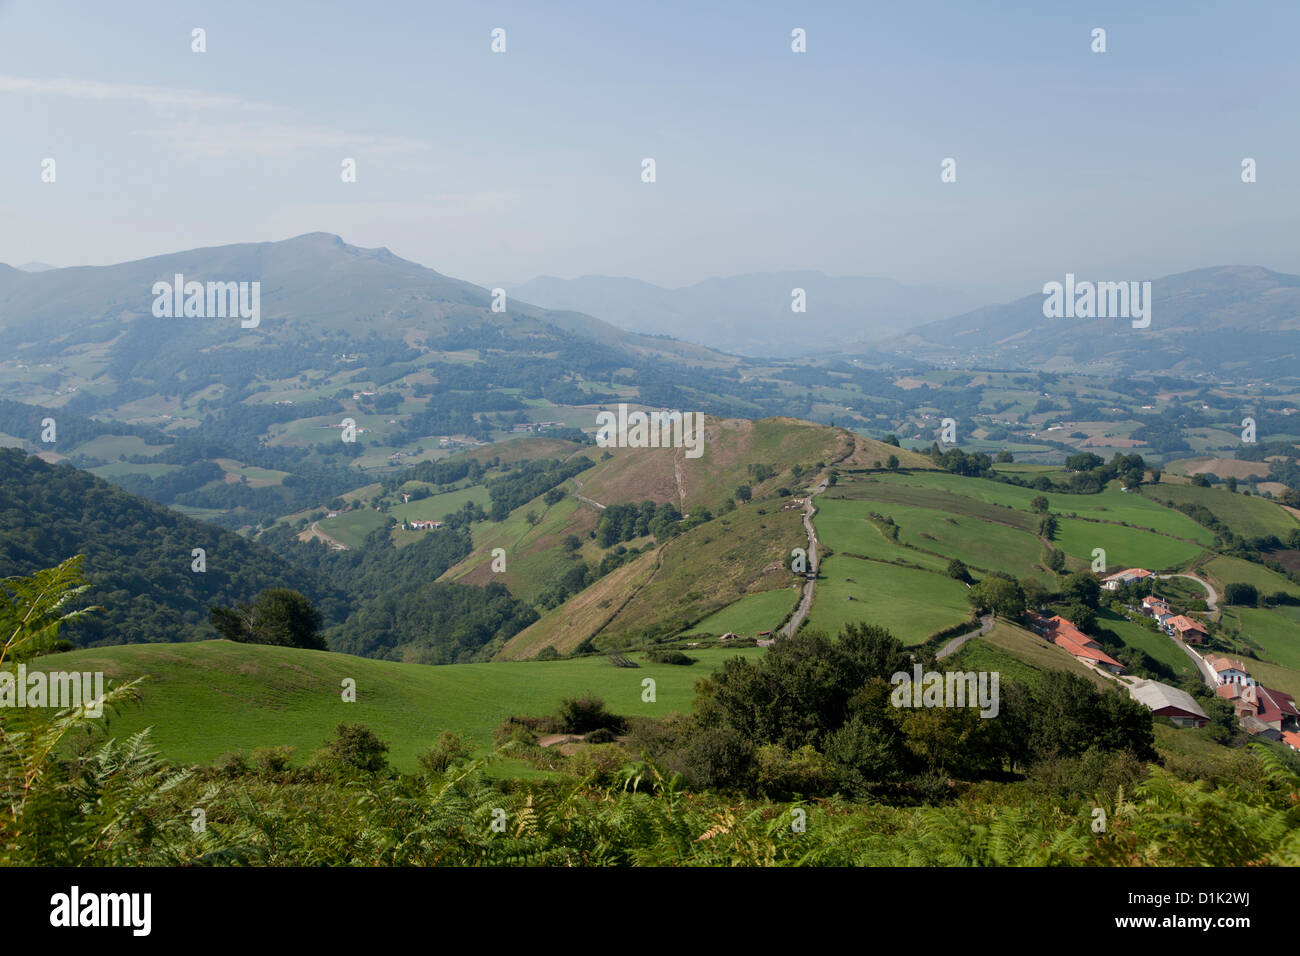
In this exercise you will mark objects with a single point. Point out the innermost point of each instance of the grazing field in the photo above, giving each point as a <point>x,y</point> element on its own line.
<point>1236,571</point>
<point>1124,547</point>
<point>981,544</point>
<point>1109,505</point>
<point>351,527</point>
<point>1158,645</point>
<point>1275,630</point>
<point>910,603</point>
<point>208,698</point>
<point>1248,515</point>
<point>843,526</point>
<point>437,507</point>
<point>752,613</point>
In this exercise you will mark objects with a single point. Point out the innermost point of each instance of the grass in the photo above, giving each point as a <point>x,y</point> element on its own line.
<point>752,613</point>
<point>1157,645</point>
<point>351,527</point>
<point>1248,515</point>
<point>1018,654</point>
<point>978,542</point>
<point>1275,630</point>
<point>1227,570</point>
<point>208,698</point>
<point>1109,505</point>
<point>437,507</point>
<point>911,604</point>
<point>842,525</point>
<point>1124,547</point>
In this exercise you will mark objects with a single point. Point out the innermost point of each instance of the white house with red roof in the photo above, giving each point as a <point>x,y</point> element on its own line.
<point>1112,582</point>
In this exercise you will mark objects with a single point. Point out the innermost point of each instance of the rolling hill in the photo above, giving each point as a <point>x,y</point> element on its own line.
<point>1223,320</point>
<point>751,314</point>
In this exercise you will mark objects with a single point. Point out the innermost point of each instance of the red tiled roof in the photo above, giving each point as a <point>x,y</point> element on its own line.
<point>1221,664</point>
<point>1292,738</point>
<point>1079,649</point>
<point>1274,705</point>
<point>1184,623</point>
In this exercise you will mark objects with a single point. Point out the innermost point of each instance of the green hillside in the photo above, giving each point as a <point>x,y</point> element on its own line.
<point>208,698</point>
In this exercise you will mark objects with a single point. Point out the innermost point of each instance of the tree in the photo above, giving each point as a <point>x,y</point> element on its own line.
<point>1232,485</point>
<point>355,746</point>
<point>1056,560</point>
<point>892,463</point>
<point>571,543</point>
<point>1082,588</point>
<point>278,616</point>
<point>1047,527</point>
<point>1237,593</point>
<point>1039,505</point>
<point>744,493</point>
<point>957,569</point>
<point>1004,458</point>
<point>1001,596</point>
<point>892,439</point>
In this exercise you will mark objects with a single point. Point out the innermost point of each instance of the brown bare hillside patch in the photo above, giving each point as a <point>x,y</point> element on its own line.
<point>568,625</point>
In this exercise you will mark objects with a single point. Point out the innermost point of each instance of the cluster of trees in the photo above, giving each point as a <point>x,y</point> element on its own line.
<point>528,479</point>
<point>278,616</point>
<point>620,523</point>
<point>814,716</point>
<point>434,622</point>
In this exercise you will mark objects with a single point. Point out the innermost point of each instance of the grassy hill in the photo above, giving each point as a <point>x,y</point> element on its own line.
<point>211,697</point>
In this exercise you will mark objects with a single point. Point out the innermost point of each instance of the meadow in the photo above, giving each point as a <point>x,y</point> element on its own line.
<point>911,604</point>
<point>208,698</point>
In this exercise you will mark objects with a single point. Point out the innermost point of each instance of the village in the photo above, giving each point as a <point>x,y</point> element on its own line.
<point>1261,712</point>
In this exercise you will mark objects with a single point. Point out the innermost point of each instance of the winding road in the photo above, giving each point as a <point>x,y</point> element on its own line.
<point>986,625</point>
<point>810,582</point>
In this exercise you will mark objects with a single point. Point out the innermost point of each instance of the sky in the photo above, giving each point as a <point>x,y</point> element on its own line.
<point>498,167</point>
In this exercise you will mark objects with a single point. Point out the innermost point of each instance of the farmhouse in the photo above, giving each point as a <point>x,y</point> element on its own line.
<point>1165,701</point>
<point>1113,582</point>
<point>1153,606</point>
<point>1229,671</point>
<point>1187,630</point>
<point>1065,635</point>
<point>424,525</point>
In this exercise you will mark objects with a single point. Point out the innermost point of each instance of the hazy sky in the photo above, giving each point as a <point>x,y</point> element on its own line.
<point>495,167</point>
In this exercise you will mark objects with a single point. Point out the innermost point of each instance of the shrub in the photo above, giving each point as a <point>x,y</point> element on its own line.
<point>272,759</point>
<point>668,656</point>
<point>449,749</point>
<point>583,714</point>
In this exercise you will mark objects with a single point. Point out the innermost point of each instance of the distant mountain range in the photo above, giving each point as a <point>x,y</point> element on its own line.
<point>1235,321</point>
<point>751,314</point>
<point>312,285</point>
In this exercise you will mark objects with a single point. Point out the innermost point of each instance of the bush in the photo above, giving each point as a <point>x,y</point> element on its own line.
<point>667,656</point>
<point>1241,594</point>
<point>272,759</point>
<point>356,747</point>
<point>448,750</point>
<point>581,715</point>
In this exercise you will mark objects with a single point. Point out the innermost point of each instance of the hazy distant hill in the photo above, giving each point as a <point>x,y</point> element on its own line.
<point>1242,321</point>
<point>36,267</point>
<point>751,314</point>
<point>312,285</point>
